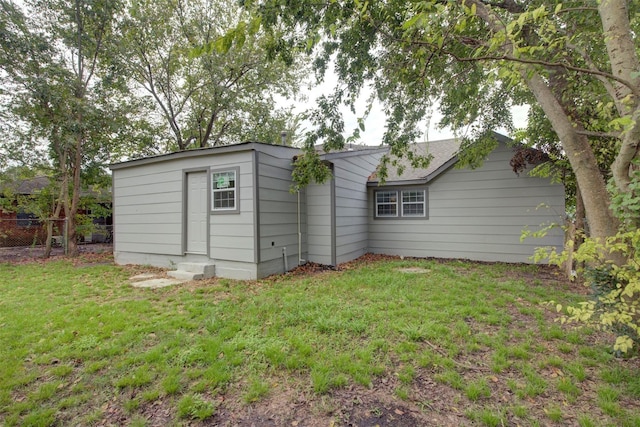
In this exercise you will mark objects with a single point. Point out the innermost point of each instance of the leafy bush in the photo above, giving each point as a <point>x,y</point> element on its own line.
<point>616,286</point>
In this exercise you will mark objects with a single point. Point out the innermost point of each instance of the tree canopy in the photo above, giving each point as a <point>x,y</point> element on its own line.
<point>205,97</point>
<point>576,62</point>
<point>89,82</point>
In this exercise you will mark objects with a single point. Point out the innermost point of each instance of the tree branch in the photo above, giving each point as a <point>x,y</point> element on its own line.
<point>577,9</point>
<point>549,64</point>
<point>598,134</point>
<point>605,82</point>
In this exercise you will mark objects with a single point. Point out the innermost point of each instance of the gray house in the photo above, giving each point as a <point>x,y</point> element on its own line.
<point>477,214</point>
<point>228,211</point>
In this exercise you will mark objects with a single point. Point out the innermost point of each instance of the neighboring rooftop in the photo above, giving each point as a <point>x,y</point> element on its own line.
<point>27,186</point>
<point>30,186</point>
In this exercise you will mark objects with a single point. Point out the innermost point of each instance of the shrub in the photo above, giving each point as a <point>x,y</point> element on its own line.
<point>615,300</point>
<point>612,270</point>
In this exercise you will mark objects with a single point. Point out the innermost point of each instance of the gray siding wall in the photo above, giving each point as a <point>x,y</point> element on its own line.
<point>232,235</point>
<point>352,205</point>
<point>147,205</point>
<point>148,208</point>
<point>475,214</point>
<point>278,215</point>
<point>319,223</point>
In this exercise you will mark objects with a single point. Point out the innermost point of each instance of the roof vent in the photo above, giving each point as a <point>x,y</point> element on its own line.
<point>283,135</point>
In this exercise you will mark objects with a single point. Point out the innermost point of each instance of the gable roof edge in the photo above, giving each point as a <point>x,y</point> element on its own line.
<point>342,154</point>
<point>232,148</point>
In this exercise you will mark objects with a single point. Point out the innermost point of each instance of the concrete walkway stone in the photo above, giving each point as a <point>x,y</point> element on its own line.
<point>156,283</point>
<point>143,276</point>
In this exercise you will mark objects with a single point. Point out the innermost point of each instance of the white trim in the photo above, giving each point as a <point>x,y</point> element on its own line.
<point>215,190</point>
<point>391,203</point>
<point>414,203</point>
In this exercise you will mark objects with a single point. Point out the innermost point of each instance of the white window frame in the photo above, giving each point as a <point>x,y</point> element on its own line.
<point>401,204</point>
<point>423,203</point>
<point>391,203</point>
<point>217,174</point>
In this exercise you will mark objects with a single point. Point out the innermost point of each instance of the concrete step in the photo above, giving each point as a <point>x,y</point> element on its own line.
<point>193,271</point>
<point>185,275</point>
<point>206,269</point>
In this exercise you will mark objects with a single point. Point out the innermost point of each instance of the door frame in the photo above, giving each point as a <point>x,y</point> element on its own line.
<point>185,201</point>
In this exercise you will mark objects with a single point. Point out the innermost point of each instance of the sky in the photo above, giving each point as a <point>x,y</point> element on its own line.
<point>375,123</point>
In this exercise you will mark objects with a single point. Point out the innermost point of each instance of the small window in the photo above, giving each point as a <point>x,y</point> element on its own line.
<point>26,219</point>
<point>224,191</point>
<point>386,203</point>
<point>413,203</point>
<point>408,204</point>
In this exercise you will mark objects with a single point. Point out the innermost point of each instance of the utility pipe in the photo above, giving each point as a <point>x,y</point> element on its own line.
<point>300,260</point>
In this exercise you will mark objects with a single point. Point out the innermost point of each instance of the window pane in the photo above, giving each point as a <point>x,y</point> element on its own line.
<point>386,203</point>
<point>224,180</point>
<point>223,185</point>
<point>413,209</point>
<point>386,197</point>
<point>224,199</point>
<point>412,196</point>
<point>387,210</point>
<point>26,219</point>
<point>413,203</point>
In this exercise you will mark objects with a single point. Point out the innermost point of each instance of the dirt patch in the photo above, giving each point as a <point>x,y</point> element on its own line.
<point>430,404</point>
<point>89,254</point>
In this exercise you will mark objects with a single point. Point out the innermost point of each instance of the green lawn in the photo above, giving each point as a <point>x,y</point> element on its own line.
<point>456,344</point>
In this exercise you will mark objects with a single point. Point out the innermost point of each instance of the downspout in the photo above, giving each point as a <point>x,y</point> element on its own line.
<point>300,260</point>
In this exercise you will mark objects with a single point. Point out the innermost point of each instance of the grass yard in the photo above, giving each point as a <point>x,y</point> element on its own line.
<point>384,342</point>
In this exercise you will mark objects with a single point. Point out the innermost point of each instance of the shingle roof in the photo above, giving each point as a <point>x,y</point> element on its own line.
<point>26,186</point>
<point>31,186</point>
<point>444,155</point>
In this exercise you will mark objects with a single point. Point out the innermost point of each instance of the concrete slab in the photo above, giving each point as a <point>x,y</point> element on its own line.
<point>143,276</point>
<point>414,270</point>
<point>156,283</point>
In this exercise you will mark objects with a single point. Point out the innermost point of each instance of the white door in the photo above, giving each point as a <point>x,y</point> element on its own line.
<point>197,212</point>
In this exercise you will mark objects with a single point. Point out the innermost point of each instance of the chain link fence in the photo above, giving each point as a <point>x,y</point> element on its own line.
<point>17,232</point>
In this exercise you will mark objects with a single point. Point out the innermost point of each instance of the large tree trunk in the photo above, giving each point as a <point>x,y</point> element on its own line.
<point>625,65</point>
<point>75,199</point>
<point>58,202</point>
<point>50,223</point>
<point>601,221</point>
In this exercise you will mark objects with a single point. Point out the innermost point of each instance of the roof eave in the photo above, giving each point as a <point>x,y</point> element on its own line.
<point>343,154</point>
<point>396,183</point>
<point>243,146</point>
<point>424,180</point>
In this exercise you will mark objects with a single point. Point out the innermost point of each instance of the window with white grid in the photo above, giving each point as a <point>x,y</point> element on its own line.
<point>386,203</point>
<point>413,203</point>
<point>407,203</point>
<point>224,190</point>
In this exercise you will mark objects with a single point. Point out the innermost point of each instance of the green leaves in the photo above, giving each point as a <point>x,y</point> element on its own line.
<point>616,288</point>
<point>308,169</point>
<point>210,73</point>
